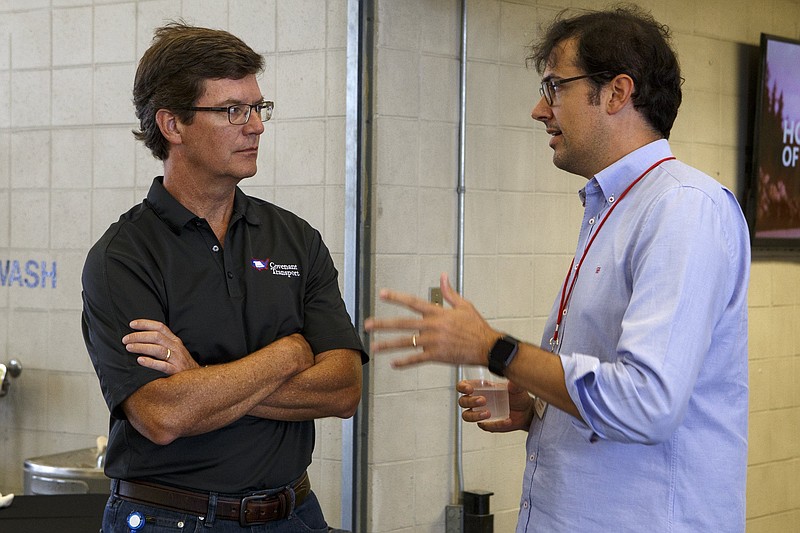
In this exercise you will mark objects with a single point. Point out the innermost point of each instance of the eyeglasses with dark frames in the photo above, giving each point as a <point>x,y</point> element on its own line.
<point>550,86</point>
<point>239,114</point>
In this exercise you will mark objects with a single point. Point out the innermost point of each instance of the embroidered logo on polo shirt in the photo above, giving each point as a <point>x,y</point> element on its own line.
<point>277,269</point>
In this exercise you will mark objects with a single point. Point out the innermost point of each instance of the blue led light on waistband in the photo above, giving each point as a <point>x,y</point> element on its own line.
<point>135,521</point>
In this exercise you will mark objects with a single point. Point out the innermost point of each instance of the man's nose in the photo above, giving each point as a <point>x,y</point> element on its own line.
<point>254,123</point>
<point>541,111</point>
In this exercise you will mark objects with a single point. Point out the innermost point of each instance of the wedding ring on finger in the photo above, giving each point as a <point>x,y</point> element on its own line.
<point>414,340</point>
<point>169,354</point>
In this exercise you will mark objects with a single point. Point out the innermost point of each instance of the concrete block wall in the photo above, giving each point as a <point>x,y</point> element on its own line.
<point>69,167</point>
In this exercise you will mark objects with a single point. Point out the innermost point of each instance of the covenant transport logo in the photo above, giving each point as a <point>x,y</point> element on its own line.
<point>277,269</point>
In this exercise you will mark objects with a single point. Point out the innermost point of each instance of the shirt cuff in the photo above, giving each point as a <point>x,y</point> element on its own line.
<point>576,367</point>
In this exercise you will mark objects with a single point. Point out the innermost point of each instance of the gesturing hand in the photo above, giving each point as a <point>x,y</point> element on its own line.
<point>459,335</point>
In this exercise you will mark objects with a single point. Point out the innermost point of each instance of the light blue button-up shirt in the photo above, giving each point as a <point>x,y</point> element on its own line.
<point>654,349</point>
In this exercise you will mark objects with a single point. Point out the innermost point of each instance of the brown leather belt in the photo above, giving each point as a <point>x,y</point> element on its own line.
<point>252,509</point>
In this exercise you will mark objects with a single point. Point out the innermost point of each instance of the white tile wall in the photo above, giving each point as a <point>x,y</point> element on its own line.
<point>211,13</point>
<point>301,84</point>
<point>397,145</point>
<point>116,172</point>
<point>392,505</point>
<point>335,82</point>
<point>30,159</point>
<point>397,80</point>
<point>30,46</point>
<point>70,227</point>
<point>30,214</point>
<point>515,31</point>
<point>516,105</point>
<point>5,98</point>
<point>111,99</point>
<point>397,220</point>
<point>30,94</point>
<point>300,25</point>
<point>71,96</point>
<point>114,33</point>
<point>72,44</point>
<point>432,419</point>
<point>437,143</point>
<point>516,154</point>
<point>300,152</point>
<point>438,88</point>
<point>5,225</point>
<point>483,29</point>
<point>483,96</point>
<point>436,226</point>
<point>72,150</point>
<point>335,151</point>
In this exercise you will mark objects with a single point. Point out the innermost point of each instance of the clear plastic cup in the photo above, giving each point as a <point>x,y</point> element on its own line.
<point>492,387</point>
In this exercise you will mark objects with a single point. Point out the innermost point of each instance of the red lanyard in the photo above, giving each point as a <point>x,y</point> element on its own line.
<point>566,294</point>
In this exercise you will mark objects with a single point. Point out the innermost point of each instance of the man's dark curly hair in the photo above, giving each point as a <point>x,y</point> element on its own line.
<point>622,40</point>
<point>172,74</point>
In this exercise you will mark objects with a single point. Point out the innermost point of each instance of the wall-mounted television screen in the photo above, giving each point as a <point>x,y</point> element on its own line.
<point>773,207</point>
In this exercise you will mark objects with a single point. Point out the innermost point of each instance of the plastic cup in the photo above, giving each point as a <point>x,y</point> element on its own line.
<point>492,387</point>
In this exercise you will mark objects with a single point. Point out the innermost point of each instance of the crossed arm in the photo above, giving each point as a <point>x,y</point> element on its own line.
<point>281,381</point>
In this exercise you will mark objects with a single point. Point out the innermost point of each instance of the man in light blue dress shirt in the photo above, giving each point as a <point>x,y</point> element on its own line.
<point>636,401</point>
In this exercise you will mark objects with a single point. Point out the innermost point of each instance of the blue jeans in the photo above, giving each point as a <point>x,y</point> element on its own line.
<point>305,518</point>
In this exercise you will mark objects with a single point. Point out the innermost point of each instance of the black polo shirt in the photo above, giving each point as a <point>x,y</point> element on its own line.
<point>273,277</point>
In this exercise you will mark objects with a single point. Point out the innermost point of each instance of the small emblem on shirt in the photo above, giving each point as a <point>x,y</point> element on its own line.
<point>277,269</point>
<point>597,270</point>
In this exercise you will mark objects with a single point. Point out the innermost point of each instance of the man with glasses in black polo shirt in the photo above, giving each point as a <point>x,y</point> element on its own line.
<point>213,319</point>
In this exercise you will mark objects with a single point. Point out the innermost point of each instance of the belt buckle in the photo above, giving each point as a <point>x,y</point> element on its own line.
<point>243,508</point>
<point>281,500</point>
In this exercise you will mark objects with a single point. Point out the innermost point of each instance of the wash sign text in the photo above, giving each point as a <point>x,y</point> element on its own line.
<point>28,274</point>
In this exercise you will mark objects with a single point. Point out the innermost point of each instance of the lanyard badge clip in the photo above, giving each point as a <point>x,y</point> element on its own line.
<point>554,339</point>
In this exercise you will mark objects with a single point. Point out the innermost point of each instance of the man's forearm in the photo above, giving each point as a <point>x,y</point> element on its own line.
<point>199,400</point>
<point>331,387</point>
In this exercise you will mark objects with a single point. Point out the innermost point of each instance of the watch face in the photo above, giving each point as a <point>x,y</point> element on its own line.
<point>502,353</point>
<point>503,348</point>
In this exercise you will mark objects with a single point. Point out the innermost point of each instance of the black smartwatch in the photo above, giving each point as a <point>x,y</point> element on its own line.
<point>502,353</point>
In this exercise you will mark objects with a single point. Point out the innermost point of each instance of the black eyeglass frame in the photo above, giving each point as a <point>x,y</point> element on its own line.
<point>548,87</point>
<point>265,106</point>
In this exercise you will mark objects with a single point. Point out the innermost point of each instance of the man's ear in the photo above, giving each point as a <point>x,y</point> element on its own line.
<point>622,87</point>
<point>169,125</point>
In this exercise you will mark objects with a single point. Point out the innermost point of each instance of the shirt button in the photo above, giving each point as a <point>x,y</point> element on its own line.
<point>230,275</point>
<point>525,504</point>
<point>532,457</point>
<point>591,221</point>
<point>611,199</point>
<point>215,248</point>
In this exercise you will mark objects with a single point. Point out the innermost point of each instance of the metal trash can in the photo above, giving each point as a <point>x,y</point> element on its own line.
<point>75,472</point>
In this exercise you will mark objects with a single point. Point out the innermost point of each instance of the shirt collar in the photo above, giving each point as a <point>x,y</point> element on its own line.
<point>176,216</point>
<point>613,179</point>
